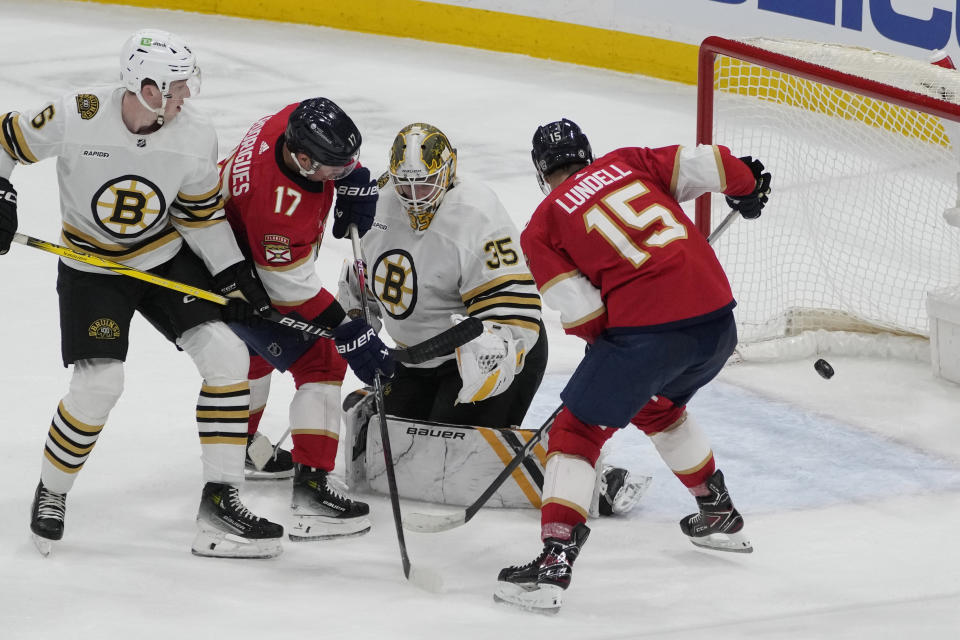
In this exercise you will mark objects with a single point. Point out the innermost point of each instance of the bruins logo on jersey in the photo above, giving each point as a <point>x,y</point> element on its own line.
<point>394,283</point>
<point>128,206</point>
<point>104,329</point>
<point>87,105</point>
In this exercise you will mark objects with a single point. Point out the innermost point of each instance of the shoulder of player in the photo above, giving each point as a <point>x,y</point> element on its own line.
<point>88,105</point>
<point>473,204</point>
<point>194,128</point>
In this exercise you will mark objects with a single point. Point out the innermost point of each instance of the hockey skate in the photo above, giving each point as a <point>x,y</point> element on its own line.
<point>320,512</point>
<point>266,462</point>
<point>539,585</point>
<point>46,518</point>
<point>718,525</point>
<point>227,529</point>
<point>620,491</point>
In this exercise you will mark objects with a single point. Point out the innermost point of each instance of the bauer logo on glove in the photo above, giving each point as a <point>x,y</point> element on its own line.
<point>488,363</point>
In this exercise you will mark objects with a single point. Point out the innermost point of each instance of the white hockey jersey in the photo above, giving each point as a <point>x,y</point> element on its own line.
<point>467,261</point>
<point>124,196</point>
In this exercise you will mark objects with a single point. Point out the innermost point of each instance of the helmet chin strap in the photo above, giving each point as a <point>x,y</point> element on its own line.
<point>306,174</point>
<point>158,112</point>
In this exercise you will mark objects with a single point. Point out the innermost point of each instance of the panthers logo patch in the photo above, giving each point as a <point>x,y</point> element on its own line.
<point>104,329</point>
<point>276,249</point>
<point>87,105</point>
<point>128,206</point>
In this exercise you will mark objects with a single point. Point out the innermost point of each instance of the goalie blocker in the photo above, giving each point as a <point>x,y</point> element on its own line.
<point>453,464</point>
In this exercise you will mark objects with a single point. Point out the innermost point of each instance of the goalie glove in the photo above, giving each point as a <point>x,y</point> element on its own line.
<point>488,363</point>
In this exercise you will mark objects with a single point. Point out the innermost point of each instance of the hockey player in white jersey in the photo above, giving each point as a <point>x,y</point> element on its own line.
<point>138,176</point>
<point>444,246</point>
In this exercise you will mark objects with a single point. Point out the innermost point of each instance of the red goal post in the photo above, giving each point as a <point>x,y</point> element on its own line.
<point>860,145</point>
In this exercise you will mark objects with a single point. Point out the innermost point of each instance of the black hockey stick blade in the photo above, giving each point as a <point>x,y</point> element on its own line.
<point>441,344</point>
<point>434,523</point>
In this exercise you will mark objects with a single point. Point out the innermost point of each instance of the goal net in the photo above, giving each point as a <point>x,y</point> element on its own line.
<point>853,237</point>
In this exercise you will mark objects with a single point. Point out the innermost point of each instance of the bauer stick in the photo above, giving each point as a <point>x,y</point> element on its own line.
<point>435,523</point>
<point>439,345</point>
<point>422,579</point>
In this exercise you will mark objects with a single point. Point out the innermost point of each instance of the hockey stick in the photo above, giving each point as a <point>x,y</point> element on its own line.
<point>439,345</point>
<point>726,222</point>
<point>422,579</point>
<point>432,523</point>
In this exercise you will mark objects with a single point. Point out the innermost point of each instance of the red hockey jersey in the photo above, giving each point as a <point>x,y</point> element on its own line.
<point>611,247</point>
<point>278,215</point>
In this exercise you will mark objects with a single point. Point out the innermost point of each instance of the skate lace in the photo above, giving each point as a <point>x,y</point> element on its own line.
<point>333,489</point>
<point>238,507</point>
<point>51,505</point>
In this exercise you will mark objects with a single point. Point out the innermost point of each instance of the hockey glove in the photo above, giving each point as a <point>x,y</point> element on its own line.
<point>488,363</point>
<point>750,205</point>
<point>8,214</point>
<point>240,282</point>
<point>363,350</point>
<point>356,203</point>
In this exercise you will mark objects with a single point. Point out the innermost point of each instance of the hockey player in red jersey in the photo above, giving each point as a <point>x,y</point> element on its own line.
<point>279,186</point>
<point>612,250</point>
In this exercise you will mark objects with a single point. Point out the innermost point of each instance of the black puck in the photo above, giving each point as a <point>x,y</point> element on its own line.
<point>823,368</point>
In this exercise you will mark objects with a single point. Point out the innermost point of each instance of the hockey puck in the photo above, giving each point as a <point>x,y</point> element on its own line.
<point>823,368</point>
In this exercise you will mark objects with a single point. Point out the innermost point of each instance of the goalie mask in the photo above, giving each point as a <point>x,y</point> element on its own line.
<point>162,58</point>
<point>322,131</point>
<point>423,166</point>
<point>557,145</point>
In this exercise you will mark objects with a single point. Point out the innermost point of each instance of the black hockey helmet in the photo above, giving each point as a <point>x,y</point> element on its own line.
<point>556,145</point>
<point>324,132</point>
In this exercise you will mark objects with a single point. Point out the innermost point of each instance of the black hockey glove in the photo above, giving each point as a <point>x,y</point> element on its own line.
<point>751,204</point>
<point>363,350</point>
<point>8,214</point>
<point>241,279</point>
<point>356,203</point>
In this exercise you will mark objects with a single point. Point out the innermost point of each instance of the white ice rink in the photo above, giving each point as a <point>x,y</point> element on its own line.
<point>850,488</point>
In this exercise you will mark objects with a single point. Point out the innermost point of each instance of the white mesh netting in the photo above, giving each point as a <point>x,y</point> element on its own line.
<point>853,236</point>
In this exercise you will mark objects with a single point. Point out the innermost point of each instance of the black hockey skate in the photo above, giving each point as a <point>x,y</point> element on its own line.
<point>718,525</point>
<point>266,462</point>
<point>320,512</point>
<point>46,518</point>
<point>539,585</point>
<point>620,490</point>
<point>227,529</point>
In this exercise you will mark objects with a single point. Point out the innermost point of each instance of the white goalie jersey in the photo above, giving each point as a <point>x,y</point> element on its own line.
<point>467,262</point>
<point>124,196</point>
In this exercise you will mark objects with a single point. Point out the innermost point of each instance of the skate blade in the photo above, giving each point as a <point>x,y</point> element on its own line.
<point>255,474</point>
<point>545,600</point>
<point>44,545</point>
<point>218,544</point>
<point>311,528</point>
<point>734,542</point>
<point>630,495</point>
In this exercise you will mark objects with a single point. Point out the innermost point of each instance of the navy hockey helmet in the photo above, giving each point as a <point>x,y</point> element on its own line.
<point>556,145</point>
<point>326,134</point>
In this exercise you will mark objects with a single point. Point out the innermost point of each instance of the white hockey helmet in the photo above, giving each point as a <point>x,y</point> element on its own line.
<point>423,166</point>
<point>161,57</point>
